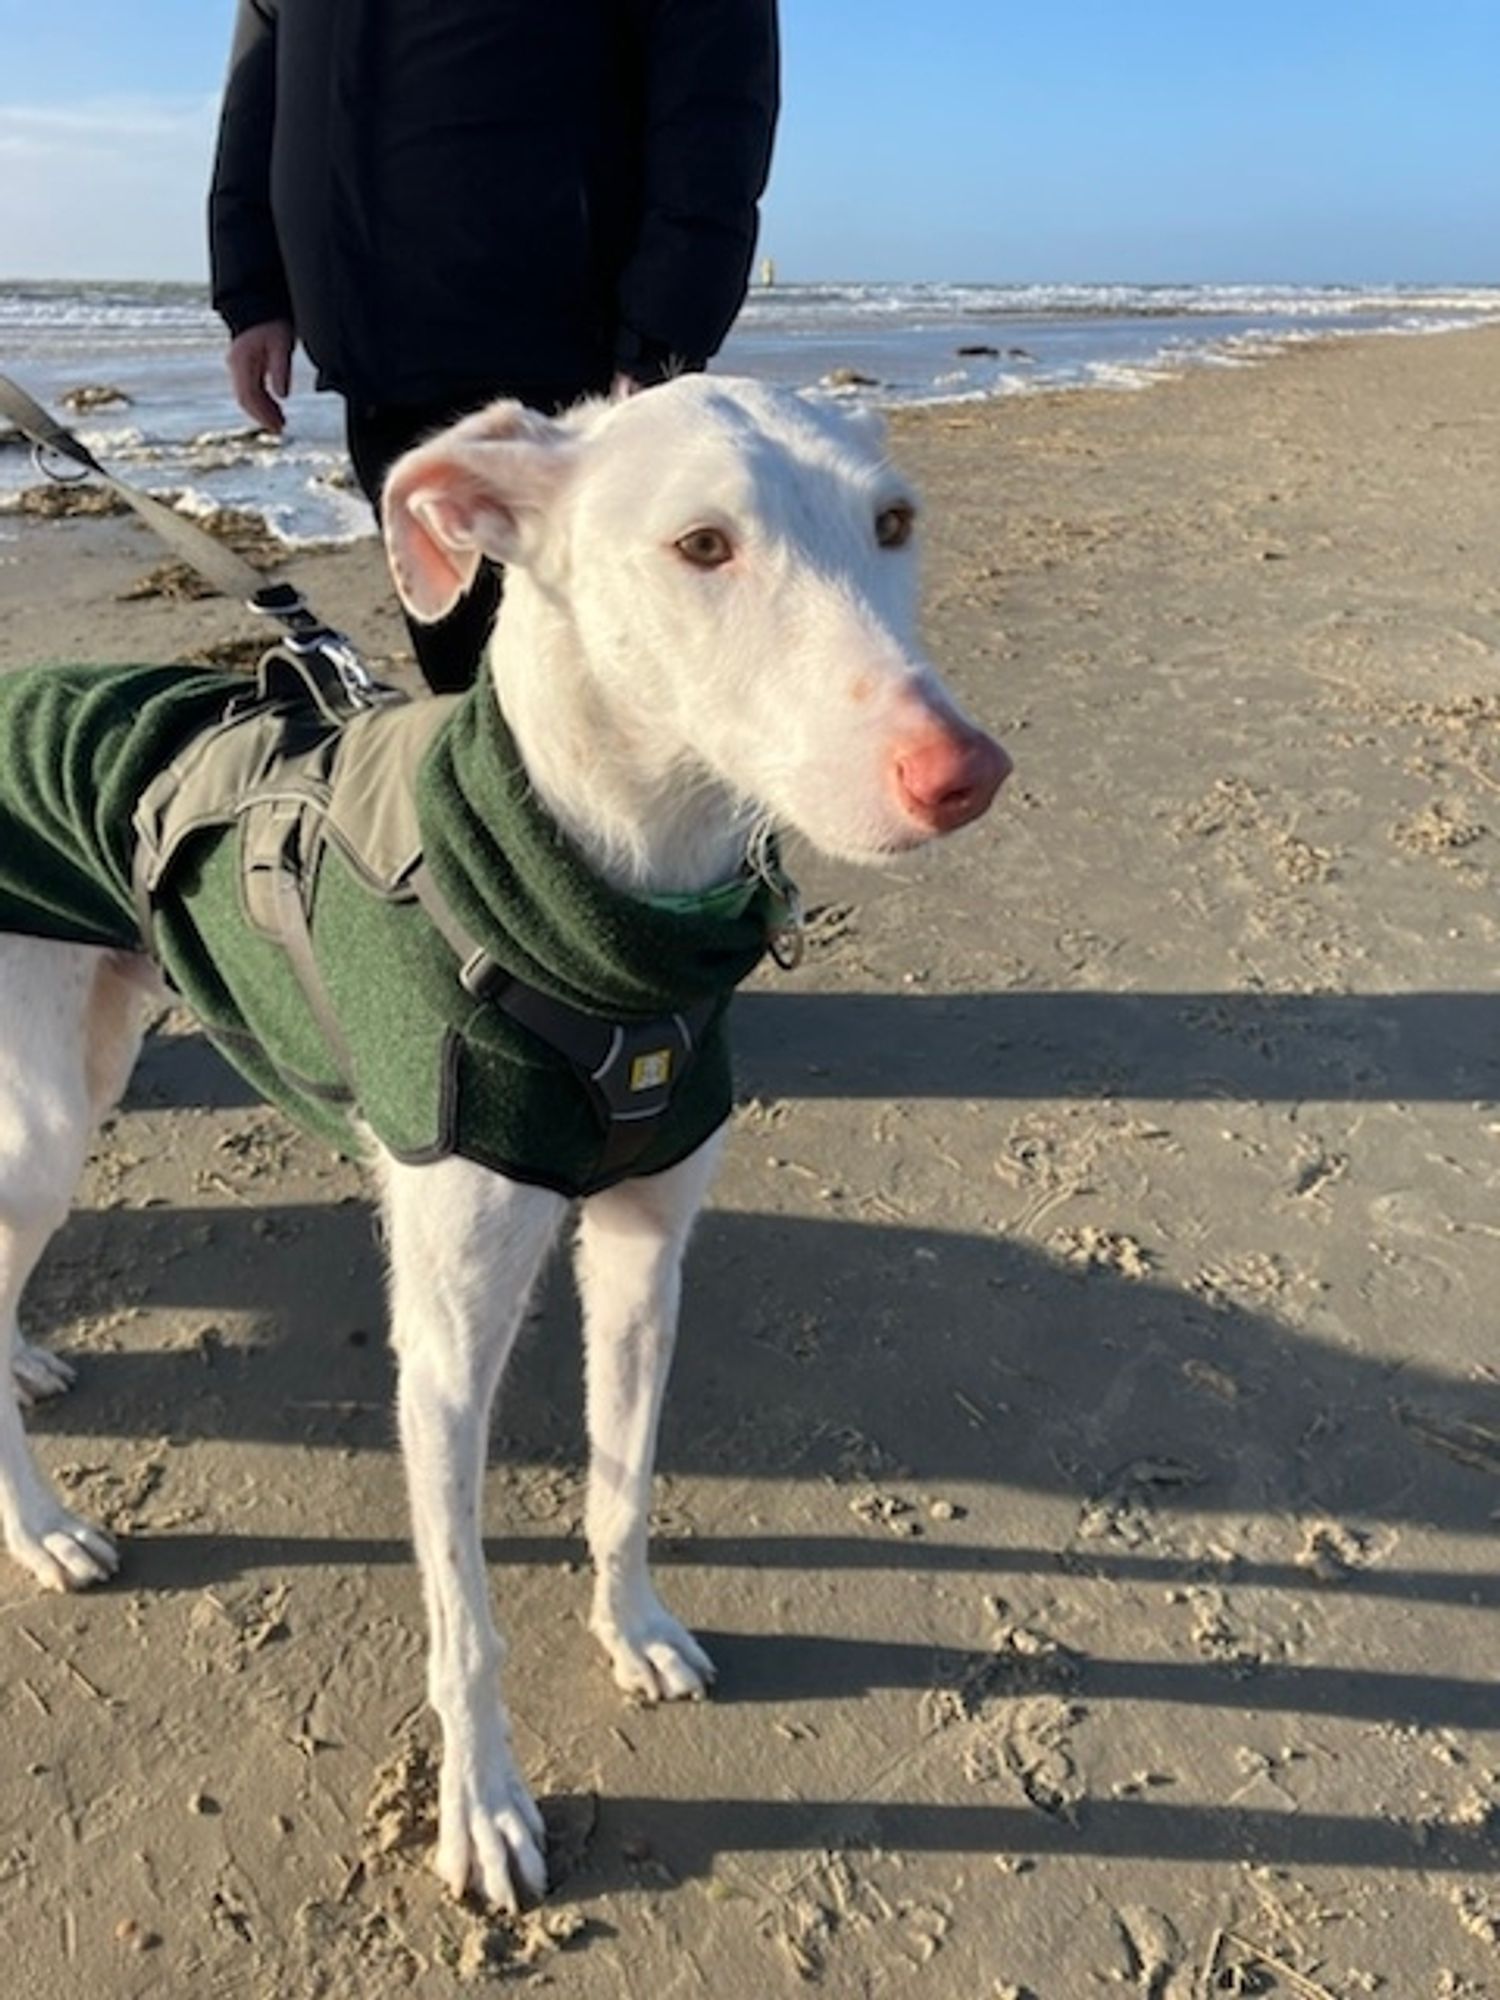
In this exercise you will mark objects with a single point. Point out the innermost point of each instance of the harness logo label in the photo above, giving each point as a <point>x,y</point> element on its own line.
<point>652,1071</point>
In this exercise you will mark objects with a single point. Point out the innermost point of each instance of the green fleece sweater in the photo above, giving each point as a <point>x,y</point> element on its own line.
<point>431,1070</point>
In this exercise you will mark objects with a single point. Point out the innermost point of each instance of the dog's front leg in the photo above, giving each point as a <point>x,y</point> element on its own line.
<point>465,1246</point>
<point>630,1246</point>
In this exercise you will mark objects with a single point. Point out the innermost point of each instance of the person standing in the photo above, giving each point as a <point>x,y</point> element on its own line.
<point>445,201</point>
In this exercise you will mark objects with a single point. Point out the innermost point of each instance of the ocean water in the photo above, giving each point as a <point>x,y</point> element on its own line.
<point>183,433</point>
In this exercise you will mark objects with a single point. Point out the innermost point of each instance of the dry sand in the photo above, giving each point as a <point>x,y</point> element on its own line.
<point>1082,1459</point>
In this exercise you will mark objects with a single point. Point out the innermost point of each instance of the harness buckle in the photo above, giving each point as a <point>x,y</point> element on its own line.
<point>480,977</point>
<point>642,1064</point>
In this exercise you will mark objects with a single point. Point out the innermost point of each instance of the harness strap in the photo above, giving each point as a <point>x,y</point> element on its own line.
<point>291,883</point>
<point>628,1068</point>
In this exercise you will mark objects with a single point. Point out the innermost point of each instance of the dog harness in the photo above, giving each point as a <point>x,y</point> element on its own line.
<point>373,917</point>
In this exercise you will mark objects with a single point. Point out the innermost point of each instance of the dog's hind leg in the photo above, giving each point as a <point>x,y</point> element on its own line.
<point>48,997</point>
<point>465,1246</point>
<point>629,1260</point>
<point>123,990</point>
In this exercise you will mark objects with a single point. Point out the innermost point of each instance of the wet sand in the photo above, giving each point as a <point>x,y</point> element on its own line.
<point>1082,1455</point>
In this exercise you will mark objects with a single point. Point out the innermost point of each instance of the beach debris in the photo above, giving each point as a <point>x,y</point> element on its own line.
<point>849,1897</point>
<point>1125,1509</point>
<point>236,655</point>
<point>95,396</point>
<point>1150,1948</point>
<point>1211,1379</point>
<point>1453,1985</point>
<point>1251,1280</point>
<point>847,378</point>
<point>134,1935</point>
<point>1234,1962</point>
<point>1140,1784</point>
<point>61,500</point>
<point>1476,1445</point>
<point>1035,1745</point>
<point>1299,860</point>
<point>494,1947</point>
<point>1218,1633</point>
<point>1442,827</point>
<point>176,581</point>
<point>1333,1551</point>
<point>249,534</point>
<point>247,435</point>
<point>1478,1911</point>
<point>860,1457</point>
<point>1013,1703</point>
<point>887,1510</point>
<point>402,1809</point>
<point>74,1672</point>
<point>1092,1249</point>
<point>1318,1170</point>
<point>826,924</point>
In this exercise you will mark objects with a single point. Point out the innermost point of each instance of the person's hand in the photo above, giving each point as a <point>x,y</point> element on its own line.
<point>260,371</point>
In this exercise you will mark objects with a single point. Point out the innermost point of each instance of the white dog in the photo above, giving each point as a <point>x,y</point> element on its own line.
<point>708,625</point>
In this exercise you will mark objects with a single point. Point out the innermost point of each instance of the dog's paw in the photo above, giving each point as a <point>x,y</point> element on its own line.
<point>39,1374</point>
<point>651,1655</point>
<point>64,1553</point>
<point>490,1837</point>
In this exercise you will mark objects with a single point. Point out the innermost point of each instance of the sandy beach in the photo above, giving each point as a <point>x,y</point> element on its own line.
<point>1082,1453</point>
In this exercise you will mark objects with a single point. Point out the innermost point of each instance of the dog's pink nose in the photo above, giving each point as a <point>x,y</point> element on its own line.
<point>950,777</point>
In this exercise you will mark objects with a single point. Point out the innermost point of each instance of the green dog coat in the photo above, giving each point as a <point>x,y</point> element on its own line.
<point>373,917</point>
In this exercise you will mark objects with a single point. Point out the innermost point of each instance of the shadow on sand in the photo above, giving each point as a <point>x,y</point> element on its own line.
<point>913,1355</point>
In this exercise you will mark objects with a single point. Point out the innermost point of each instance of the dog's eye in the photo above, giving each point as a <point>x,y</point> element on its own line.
<point>893,525</point>
<point>708,548</point>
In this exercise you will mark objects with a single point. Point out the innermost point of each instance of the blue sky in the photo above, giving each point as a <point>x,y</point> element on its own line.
<point>1001,140</point>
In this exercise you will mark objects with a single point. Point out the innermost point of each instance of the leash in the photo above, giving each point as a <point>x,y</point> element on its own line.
<point>306,636</point>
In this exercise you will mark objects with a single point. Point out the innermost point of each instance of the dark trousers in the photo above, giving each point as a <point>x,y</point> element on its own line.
<point>449,652</point>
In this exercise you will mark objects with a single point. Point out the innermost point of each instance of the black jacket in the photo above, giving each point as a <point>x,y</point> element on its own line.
<point>449,198</point>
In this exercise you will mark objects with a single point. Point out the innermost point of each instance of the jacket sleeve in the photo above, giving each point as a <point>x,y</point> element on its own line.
<point>711,99</point>
<point>249,282</point>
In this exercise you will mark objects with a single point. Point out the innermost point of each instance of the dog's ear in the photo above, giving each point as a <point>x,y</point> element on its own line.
<point>479,488</point>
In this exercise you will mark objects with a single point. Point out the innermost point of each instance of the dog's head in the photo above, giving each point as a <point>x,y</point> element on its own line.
<point>735,567</point>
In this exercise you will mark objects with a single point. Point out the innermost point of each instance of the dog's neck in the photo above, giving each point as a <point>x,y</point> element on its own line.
<point>648,817</point>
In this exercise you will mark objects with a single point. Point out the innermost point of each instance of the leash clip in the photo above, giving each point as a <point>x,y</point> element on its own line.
<point>784,936</point>
<point>52,465</point>
<point>360,687</point>
<point>787,942</point>
<point>310,639</point>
